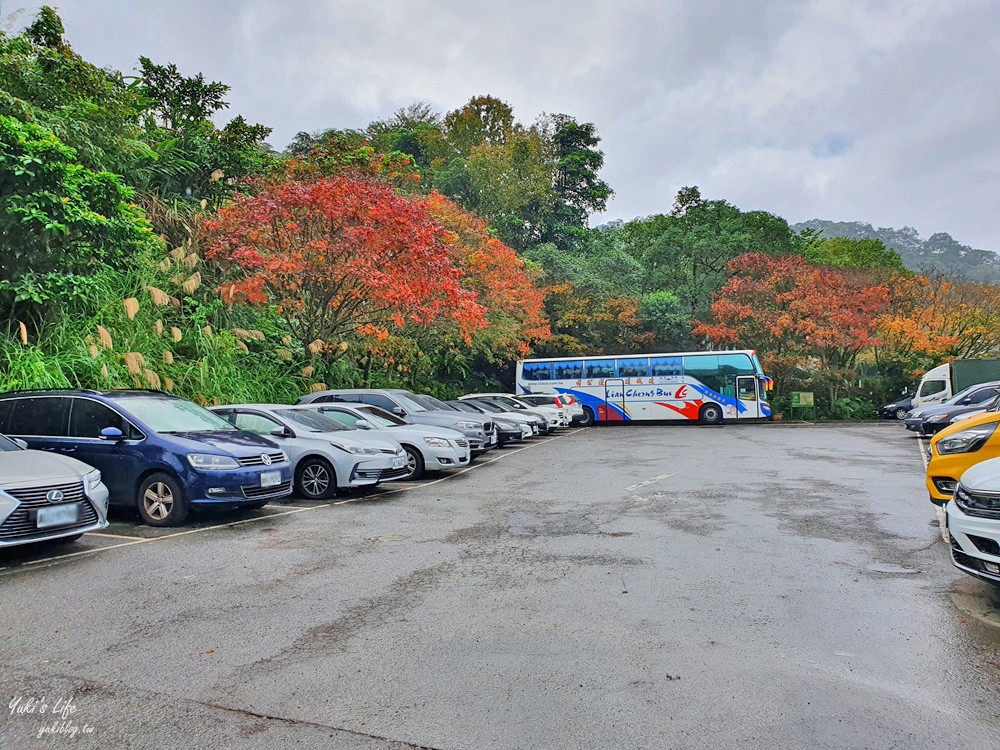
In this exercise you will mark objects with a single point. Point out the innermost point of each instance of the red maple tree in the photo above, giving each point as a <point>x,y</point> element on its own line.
<point>340,256</point>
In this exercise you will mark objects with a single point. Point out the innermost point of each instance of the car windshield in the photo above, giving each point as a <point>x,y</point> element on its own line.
<point>380,417</point>
<point>962,394</point>
<point>6,444</point>
<point>500,405</point>
<point>490,406</point>
<point>310,421</point>
<point>175,415</point>
<point>423,400</point>
<point>465,406</point>
<point>434,403</point>
<point>407,402</point>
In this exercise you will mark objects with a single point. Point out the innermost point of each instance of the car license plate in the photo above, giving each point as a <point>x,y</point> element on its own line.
<point>399,462</point>
<point>270,479</point>
<point>60,515</point>
<point>493,439</point>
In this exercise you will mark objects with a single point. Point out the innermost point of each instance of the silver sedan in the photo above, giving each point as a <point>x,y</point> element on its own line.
<point>325,455</point>
<point>47,497</point>
<point>428,448</point>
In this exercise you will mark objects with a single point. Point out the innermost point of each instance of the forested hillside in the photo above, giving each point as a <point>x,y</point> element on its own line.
<point>939,253</point>
<point>142,244</point>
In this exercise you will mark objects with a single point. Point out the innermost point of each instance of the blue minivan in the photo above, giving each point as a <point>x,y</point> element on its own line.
<point>160,454</point>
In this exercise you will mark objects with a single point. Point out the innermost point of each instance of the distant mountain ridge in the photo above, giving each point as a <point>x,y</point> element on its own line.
<point>938,253</point>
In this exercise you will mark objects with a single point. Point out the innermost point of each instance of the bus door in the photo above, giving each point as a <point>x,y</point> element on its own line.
<point>614,400</point>
<point>746,392</point>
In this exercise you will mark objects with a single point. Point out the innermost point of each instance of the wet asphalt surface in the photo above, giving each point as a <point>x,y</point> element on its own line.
<point>621,587</point>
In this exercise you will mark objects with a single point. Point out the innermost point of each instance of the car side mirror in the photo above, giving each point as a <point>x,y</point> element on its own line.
<point>399,410</point>
<point>282,432</point>
<point>363,424</point>
<point>112,433</point>
<point>965,401</point>
<point>20,444</point>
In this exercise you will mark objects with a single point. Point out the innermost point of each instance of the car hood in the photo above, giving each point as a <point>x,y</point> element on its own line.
<point>447,418</point>
<point>983,477</point>
<point>32,468</point>
<point>356,438</point>
<point>423,430</point>
<point>965,424</point>
<point>238,443</point>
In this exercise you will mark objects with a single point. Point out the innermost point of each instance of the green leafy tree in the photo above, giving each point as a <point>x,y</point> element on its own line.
<point>846,252</point>
<point>58,218</point>
<point>483,120</point>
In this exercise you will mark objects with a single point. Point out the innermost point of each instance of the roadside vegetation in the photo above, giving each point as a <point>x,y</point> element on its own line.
<point>144,245</point>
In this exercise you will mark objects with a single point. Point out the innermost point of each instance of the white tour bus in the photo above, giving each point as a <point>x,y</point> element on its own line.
<point>706,387</point>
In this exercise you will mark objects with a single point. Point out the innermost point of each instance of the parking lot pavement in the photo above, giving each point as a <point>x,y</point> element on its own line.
<point>625,587</point>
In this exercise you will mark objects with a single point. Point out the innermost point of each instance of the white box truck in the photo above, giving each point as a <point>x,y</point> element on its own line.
<point>944,381</point>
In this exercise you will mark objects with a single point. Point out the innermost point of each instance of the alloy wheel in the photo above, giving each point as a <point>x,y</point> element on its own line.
<point>158,501</point>
<point>315,480</point>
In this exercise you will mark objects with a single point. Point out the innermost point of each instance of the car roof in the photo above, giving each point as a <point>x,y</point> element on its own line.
<point>114,393</point>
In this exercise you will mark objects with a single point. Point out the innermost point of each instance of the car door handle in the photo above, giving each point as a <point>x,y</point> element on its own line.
<point>67,450</point>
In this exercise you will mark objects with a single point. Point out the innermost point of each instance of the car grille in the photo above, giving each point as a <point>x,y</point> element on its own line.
<point>393,473</point>
<point>276,458</point>
<point>462,443</point>
<point>259,492</point>
<point>37,497</point>
<point>390,451</point>
<point>978,503</point>
<point>21,523</point>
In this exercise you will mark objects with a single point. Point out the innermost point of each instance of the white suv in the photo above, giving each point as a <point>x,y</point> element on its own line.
<point>973,519</point>
<point>573,408</point>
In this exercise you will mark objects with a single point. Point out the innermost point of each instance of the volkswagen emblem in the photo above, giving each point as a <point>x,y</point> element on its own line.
<point>55,496</point>
<point>265,459</point>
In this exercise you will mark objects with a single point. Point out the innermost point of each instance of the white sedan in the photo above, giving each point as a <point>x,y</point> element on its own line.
<point>325,455</point>
<point>428,448</point>
<point>47,497</point>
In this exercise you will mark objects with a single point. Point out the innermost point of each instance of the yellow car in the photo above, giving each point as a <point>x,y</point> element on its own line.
<point>957,448</point>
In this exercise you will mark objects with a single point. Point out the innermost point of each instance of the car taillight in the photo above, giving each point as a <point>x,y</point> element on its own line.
<point>559,403</point>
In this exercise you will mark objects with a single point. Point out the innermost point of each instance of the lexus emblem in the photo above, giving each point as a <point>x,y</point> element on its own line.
<point>55,496</point>
<point>265,459</point>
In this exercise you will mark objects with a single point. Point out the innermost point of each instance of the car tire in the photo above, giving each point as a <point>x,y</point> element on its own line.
<point>414,462</point>
<point>710,414</point>
<point>588,417</point>
<point>315,479</point>
<point>161,502</point>
<point>901,414</point>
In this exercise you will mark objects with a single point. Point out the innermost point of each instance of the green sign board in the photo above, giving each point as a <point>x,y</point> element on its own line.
<point>802,398</point>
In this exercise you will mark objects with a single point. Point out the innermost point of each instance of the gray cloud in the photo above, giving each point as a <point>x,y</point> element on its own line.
<point>875,110</point>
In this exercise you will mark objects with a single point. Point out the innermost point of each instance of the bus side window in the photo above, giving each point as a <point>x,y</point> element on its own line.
<point>633,368</point>
<point>537,371</point>
<point>661,366</point>
<point>601,368</point>
<point>569,370</point>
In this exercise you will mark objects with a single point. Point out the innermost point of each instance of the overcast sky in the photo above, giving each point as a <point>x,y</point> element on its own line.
<point>872,110</point>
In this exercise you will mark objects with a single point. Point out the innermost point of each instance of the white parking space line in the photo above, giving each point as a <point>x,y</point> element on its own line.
<point>147,540</point>
<point>483,462</point>
<point>648,482</point>
<point>129,541</point>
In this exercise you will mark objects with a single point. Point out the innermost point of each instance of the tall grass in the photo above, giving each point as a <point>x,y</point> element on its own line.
<point>109,342</point>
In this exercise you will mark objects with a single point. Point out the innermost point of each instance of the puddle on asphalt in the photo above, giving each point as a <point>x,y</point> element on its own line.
<point>891,569</point>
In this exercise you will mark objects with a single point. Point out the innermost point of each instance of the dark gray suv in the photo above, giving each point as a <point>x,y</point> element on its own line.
<point>481,433</point>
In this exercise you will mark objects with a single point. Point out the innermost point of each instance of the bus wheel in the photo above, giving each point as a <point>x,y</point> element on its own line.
<point>710,414</point>
<point>588,417</point>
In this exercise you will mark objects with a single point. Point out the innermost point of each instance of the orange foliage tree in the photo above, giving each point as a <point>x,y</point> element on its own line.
<point>787,307</point>
<point>340,256</point>
<point>503,284</point>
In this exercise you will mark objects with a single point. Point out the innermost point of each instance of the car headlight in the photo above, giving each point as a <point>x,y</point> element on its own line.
<point>436,442</point>
<point>937,418</point>
<point>966,441</point>
<point>92,478</point>
<point>469,425</point>
<point>211,462</point>
<point>915,415</point>
<point>357,450</point>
